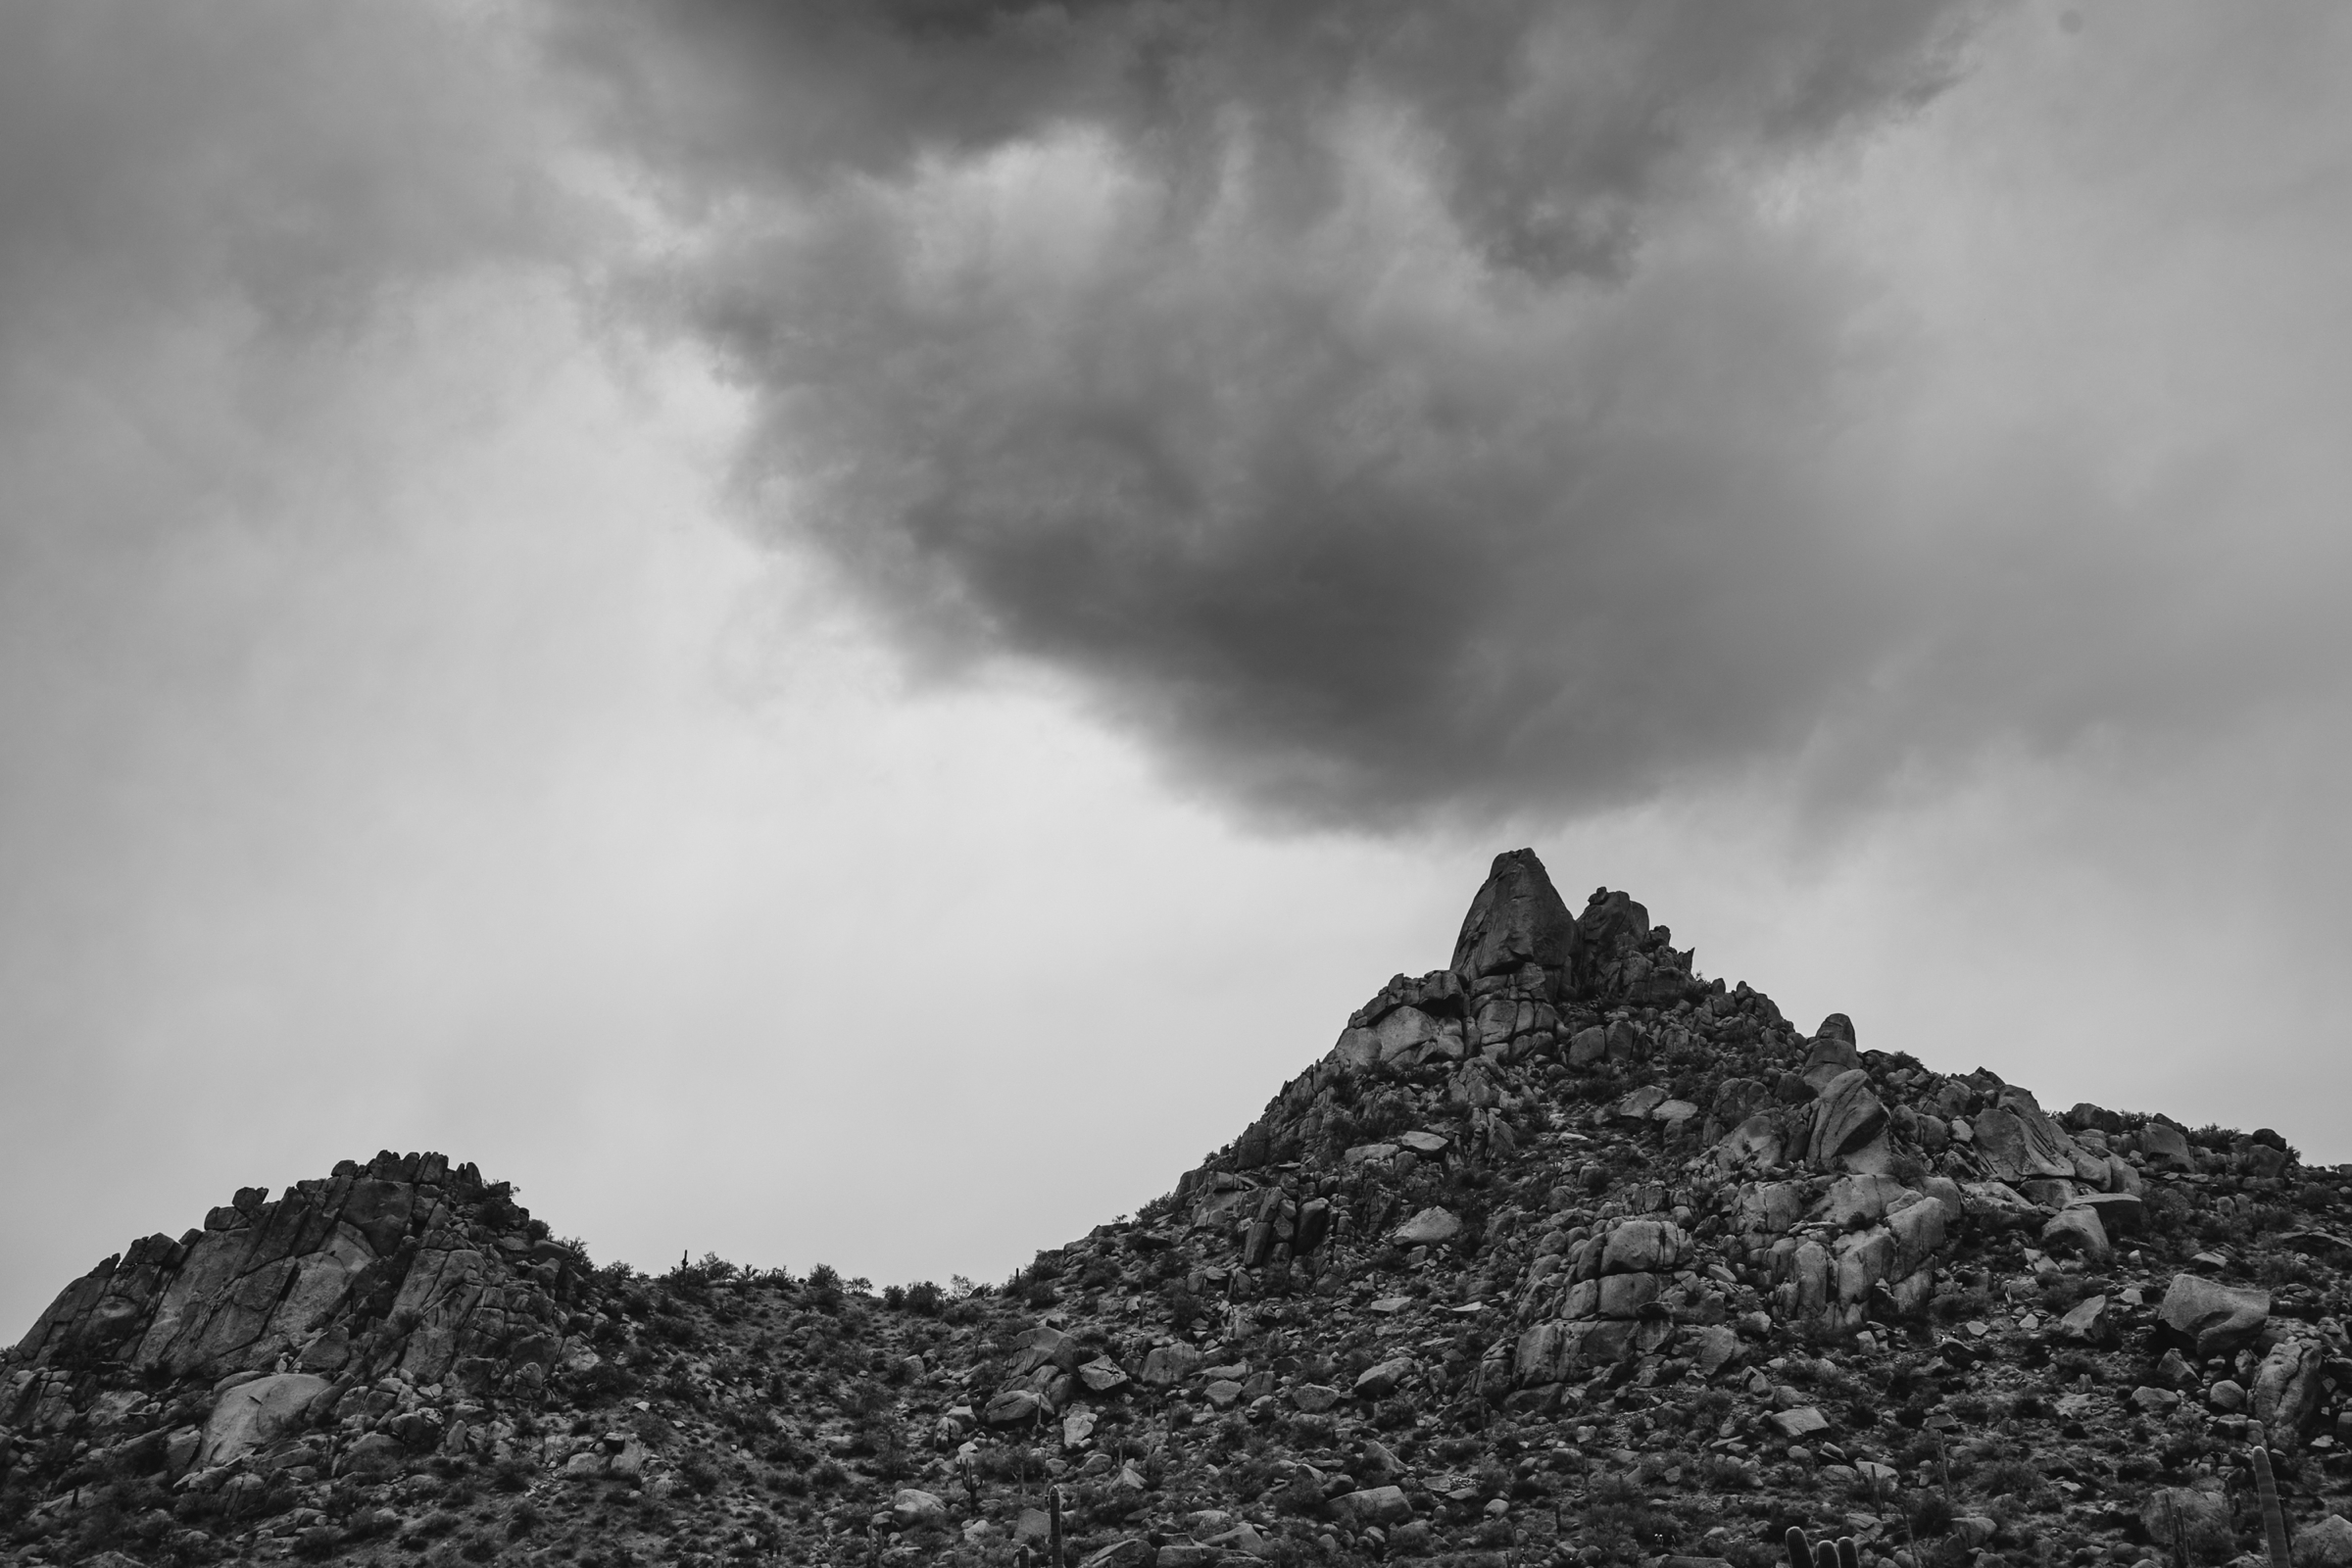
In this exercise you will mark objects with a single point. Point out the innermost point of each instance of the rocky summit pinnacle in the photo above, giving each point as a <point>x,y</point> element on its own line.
<point>1562,1253</point>
<point>1517,919</point>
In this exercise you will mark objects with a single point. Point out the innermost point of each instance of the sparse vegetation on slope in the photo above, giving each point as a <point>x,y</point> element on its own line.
<point>1561,1255</point>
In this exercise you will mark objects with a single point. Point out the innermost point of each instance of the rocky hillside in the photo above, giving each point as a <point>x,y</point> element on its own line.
<point>1561,1254</point>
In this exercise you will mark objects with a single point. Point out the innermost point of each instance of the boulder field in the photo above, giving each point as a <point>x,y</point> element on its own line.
<point>1559,1255</point>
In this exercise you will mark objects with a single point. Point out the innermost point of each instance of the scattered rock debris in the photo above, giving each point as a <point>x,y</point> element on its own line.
<point>1561,1255</point>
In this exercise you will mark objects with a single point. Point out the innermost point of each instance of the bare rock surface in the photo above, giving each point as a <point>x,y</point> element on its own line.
<point>1562,1255</point>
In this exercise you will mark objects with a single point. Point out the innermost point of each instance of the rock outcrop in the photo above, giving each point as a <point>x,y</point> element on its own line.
<point>404,1249</point>
<point>1560,1254</point>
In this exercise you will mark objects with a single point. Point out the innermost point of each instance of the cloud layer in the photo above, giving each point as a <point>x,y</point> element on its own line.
<point>1399,410</point>
<point>1384,407</point>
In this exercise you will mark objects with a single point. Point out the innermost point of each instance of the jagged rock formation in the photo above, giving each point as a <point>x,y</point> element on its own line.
<point>403,1259</point>
<point>1559,1254</point>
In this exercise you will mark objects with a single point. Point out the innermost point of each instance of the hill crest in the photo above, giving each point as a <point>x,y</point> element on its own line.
<point>1558,1253</point>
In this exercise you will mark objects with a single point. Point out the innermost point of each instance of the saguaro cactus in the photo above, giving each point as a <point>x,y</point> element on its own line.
<point>2274,1517</point>
<point>1053,1527</point>
<point>1802,1553</point>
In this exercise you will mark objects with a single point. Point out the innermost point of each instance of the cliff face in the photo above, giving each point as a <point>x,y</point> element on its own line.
<point>1559,1254</point>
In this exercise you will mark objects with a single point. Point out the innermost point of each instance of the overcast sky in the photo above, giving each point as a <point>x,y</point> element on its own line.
<point>841,632</point>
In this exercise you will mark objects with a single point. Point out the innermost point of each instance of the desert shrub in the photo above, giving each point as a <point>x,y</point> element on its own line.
<point>670,1326</point>
<point>1621,1522</point>
<point>1931,1513</point>
<point>1956,1306</point>
<point>606,1383</point>
<point>1312,1431</point>
<point>1710,1405</point>
<point>2015,1478</point>
<point>699,1473</point>
<point>317,1542</point>
<point>824,1288</point>
<point>2060,1292</point>
<point>2277,1270</point>
<point>1720,1472</point>
<point>440,1522</point>
<point>2210,1543</point>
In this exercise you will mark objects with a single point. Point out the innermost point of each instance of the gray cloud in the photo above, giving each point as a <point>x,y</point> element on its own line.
<point>1401,412</point>
<point>1381,408</point>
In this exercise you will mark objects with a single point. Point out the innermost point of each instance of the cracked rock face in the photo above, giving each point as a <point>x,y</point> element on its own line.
<point>1562,1253</point>
<point>1517,919</point>
<point>402,1251</point>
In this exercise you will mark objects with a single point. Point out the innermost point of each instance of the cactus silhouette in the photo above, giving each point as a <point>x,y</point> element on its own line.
<point>2274,1517</point>
<point>1802,1553</point>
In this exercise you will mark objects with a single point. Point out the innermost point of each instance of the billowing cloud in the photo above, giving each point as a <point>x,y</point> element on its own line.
<point>1403,410</point>
<point>1380,406</point>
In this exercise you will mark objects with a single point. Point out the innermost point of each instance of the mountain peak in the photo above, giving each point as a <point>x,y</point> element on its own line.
<point>1560,1254</point>
<point>1517,919</point>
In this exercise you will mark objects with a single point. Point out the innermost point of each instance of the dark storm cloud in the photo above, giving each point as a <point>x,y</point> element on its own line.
<point>1381,406</point>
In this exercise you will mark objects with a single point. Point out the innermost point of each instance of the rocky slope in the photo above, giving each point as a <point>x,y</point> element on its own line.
<point>1560,1253</point>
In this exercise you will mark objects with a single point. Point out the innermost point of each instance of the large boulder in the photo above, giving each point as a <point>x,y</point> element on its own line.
<point>1373,1505</point>
<point>1169,1364</point>
<point>2325,1545</point>
<point>2213,1319</point>
<point>1755,1146</point>
<point>255,1415</point>
<point>1428,1228</point>
<point>1996,1206</point>
<point>2076,1232</point>
<point>1644,1247</point>
<point>1612,924</point>
<point>2121,1214</point>
<point>1853,1202</point>
<point>1406,1035</point>
<point>2164,1145</point>
<point>1847,1119</point>
<point>1517,919</point>
<point>2289,1388</point>
<point>2019,1142</point>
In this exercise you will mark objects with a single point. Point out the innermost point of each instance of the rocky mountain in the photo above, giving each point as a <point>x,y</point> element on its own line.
<point>1560,1253</point>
